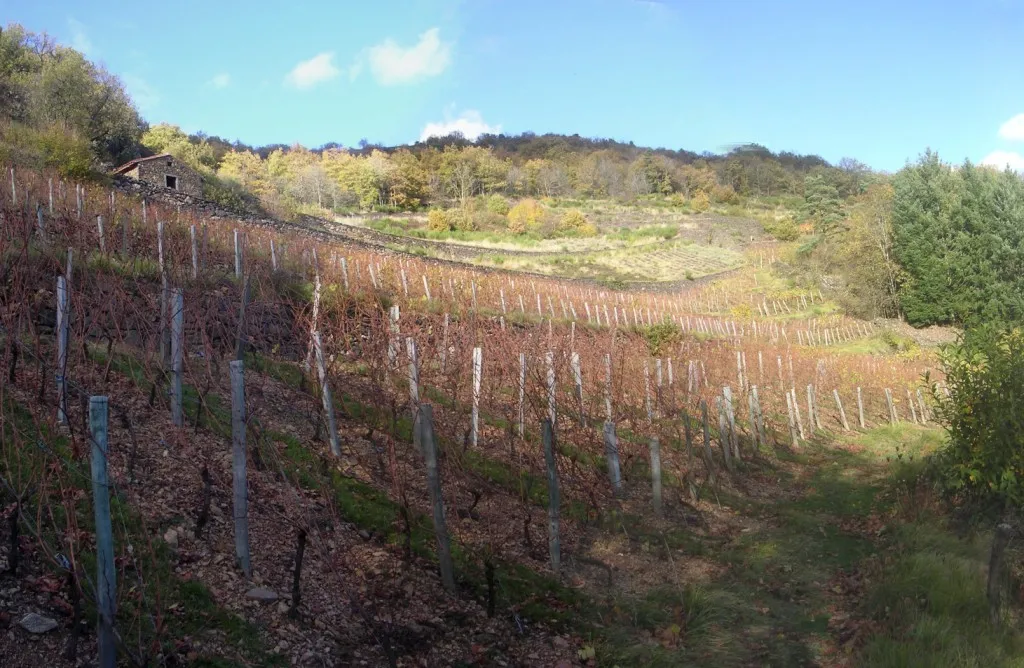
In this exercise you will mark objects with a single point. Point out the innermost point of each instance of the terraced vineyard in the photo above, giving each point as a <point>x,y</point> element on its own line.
<point>654,262</point>
<point>445,466</point>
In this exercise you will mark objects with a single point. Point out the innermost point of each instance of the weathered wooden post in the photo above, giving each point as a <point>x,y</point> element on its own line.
<point>550,359</point>
<point>478,362</point>
<point>240,334</point>
<point>425,426</point>
<point>426,287</point>
<point>177,355</point>
<point>240,510</point>
<point>723,432</point>
<point>761,435</point>
<point>796,412</point>
<point>792,422</point>
<point>444,343</point>
<point>913,410</point>
<point>63,335</point>
<point>554,546</point>
<point>811,413</point>
<point>393,331</point>
<point>608,387</point>
<point>344,272</point>
<point>414,371</point>
<point>577,375</point>
<point>522,393</point>
<point>655,453</point>
<point>106,582</point>
<point>860,409</point>
<point>238,255</point>
<point>611,454</point>
<point>102,235</point>
<point>730,415</point>
<point>842,412</point>
<point>893,417</point>
<point>647,392</point>
<point>921,404</point>
<point>325,394</point>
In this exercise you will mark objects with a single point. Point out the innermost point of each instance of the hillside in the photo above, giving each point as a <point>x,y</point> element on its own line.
<point>759,505</point>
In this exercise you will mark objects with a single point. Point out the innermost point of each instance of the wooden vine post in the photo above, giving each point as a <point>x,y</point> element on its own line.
<point>478,363</point>
<point>424,426</point>
<point>106,583</point>
<point>240,506</point>
<point>177,355</point>
<point>554,545</point>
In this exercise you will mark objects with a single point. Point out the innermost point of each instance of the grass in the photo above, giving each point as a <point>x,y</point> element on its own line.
<point>651,262</point>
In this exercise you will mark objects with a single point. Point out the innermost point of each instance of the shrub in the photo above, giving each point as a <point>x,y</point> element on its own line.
<point>725,195</point>
<point>587,230</point>
<point>661,337</point>
<point>573,219</point>
<point>526,216</point>
<point>783,230</point>
<point>437,221</point>
<point>488,220</point>
<point>984,457</point>
<point>700,202</point>
<point>497,204</point>
<point>460,220</point>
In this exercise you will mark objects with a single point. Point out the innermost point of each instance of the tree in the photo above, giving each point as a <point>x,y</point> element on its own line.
<point>983,459</point>
<point>822,206</point>
<point>958,233</point>
<point>166,138</point>
<point>863,256</point>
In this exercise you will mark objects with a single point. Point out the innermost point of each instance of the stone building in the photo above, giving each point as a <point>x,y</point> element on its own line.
<point>163,170</point>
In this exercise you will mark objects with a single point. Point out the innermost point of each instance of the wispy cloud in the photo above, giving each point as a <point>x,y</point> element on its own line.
<point>308,73</point>
<point>657,6</point>
<point>1004,159</point>
<point>222,80</point>
<point>1013,129</point>
<point>392,64</point>
<point>470,123</point>
<point>145,96</point>
<point>79,37</point>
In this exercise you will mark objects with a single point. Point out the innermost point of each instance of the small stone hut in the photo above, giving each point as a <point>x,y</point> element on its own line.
<point>163,170</point>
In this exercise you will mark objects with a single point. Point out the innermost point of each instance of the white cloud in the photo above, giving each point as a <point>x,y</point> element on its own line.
<point>221,80</point>
<point>310,72</point>
<point>79,38</point>
<point>1004,159</point>
<point>1013,129</point>
<point>392,64</point>
<point>469,123</point>
<point>146,97</point>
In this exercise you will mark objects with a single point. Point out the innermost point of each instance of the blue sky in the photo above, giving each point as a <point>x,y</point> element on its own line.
<point>879,81</point>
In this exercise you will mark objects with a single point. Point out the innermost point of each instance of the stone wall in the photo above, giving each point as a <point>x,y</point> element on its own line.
<point>155,171</point>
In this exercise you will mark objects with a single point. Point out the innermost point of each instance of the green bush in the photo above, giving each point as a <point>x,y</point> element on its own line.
<point>984,416</point>
<point>660,337</point>
<point>460,220</point>
<point>497,204</point>
<point>783,230</point>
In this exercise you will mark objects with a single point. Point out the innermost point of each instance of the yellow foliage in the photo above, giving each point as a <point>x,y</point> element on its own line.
<point>437,221</point>
<point>700,202</point>
<point>526,216</point>
<point>573,219</point>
